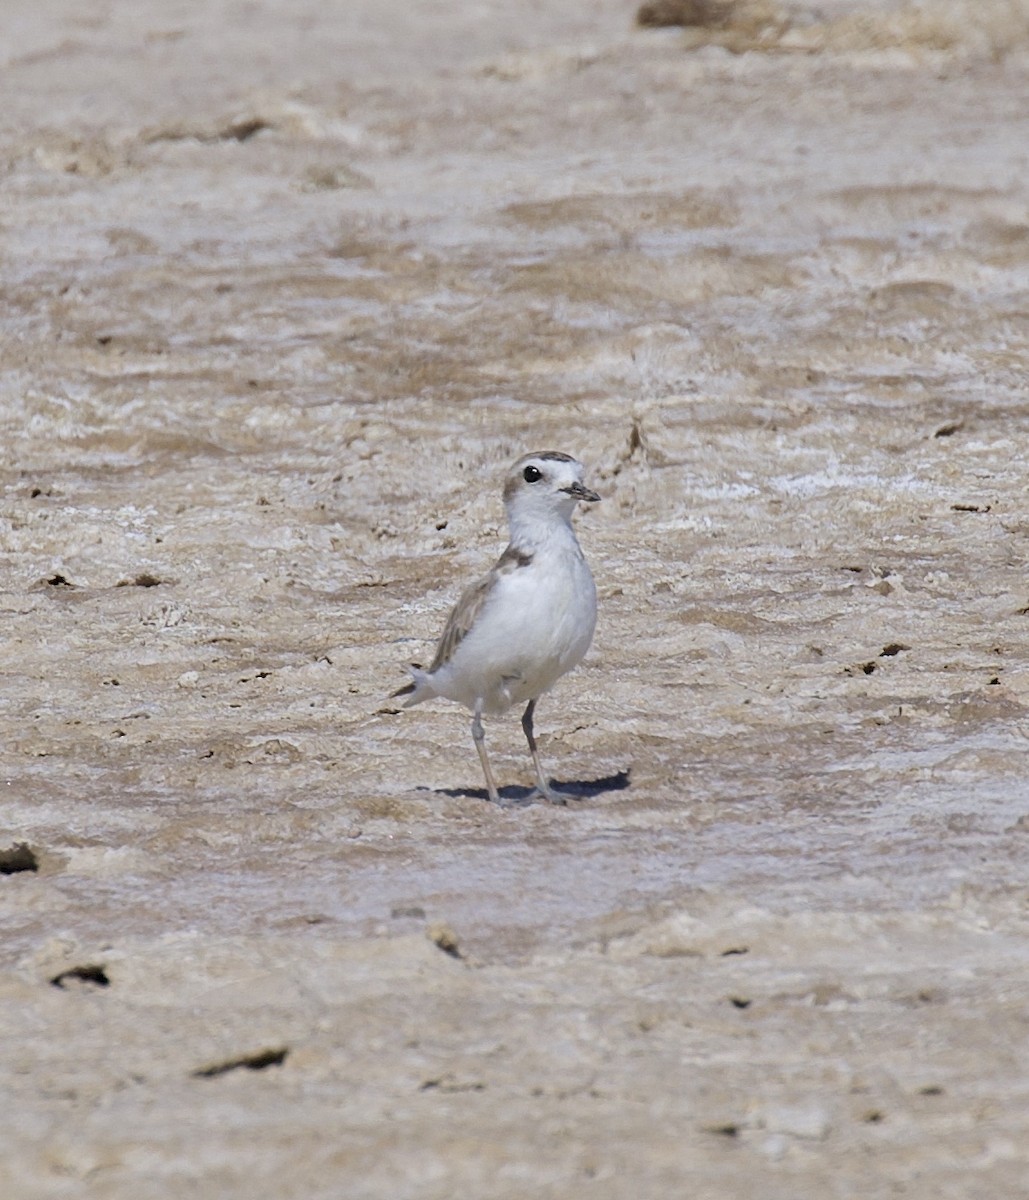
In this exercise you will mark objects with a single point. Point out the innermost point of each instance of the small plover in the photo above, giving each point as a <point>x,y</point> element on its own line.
<point>513,634</point>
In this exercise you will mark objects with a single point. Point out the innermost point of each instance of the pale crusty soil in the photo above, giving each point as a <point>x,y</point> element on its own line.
<point>286,285</point>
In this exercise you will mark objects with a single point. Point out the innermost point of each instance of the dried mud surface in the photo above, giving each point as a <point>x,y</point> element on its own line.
<point>285,288</point>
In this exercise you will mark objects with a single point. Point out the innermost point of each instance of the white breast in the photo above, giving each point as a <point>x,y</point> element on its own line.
<point>535,627</point>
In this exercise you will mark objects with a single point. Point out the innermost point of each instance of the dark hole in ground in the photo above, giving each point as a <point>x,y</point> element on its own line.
<point>448,1083</point>
<point>739,1002</point>
<point>144,580</point>
<point>728,1130</point>
<point>244,130</point>
<point>249,1062</point>
<point>19,857</point>
<point>91,973</point>
<point>662,14</point>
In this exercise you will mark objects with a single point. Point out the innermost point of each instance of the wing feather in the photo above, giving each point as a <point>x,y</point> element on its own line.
<point>468,607</point>
<point>461,620</point>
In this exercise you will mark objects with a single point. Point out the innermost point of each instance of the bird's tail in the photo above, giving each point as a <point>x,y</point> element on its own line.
<point>420,688</point>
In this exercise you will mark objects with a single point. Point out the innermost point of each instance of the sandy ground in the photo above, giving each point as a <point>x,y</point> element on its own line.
<point>285,287</point>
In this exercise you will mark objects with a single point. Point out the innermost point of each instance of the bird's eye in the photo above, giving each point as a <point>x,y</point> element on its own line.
<point>532,475</point>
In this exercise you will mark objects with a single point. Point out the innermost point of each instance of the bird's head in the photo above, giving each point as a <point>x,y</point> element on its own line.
<point>544,486</point>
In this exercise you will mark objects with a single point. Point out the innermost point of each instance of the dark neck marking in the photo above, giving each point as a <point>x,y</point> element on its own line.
<point>513,558</point>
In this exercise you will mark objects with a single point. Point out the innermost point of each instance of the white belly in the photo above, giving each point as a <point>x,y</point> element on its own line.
<point>537,626</point>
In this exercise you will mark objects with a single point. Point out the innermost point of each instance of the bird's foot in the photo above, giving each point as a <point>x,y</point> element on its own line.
<point>551,795</point>
<point>507,801</point>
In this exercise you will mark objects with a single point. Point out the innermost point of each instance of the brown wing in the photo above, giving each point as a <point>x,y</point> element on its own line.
<point>461,620</point>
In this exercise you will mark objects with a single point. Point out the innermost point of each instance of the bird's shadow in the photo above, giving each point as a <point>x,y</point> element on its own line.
<point>515,796</point>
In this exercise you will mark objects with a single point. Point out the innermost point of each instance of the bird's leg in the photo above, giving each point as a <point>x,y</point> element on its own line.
<point>479,737</point>
<point>542,786</point>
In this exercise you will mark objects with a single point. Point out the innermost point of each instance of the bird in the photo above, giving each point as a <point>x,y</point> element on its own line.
<point>516,631</point>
